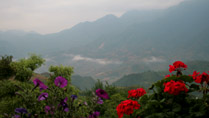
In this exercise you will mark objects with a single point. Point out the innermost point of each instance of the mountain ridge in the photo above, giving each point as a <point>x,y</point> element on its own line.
<point>137,39</point>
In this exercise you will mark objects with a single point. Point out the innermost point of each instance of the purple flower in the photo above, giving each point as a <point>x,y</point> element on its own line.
<point>21,110</point>
<point>64,105</point>
<point>65,100</point>
<point>94,115</point>
<point>17,116</point>
<point>39,83</point>
<point>48,109</point>
<point>100,101</point>
<point>60,82</point>
<point>102,94</point>
<point>43,96</point>
<point>66,109</point>
<point>74,97</point>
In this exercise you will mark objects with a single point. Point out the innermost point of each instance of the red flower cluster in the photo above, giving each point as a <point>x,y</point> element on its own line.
<point>175,88</point>
<point>200,78</point>
<point>177,66</point>
<point>127,107</point>
<point>167,76</point>
<point>136,93</point>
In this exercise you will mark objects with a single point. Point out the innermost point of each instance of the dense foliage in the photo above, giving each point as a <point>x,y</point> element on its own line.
<point>64,71</point>
<point>182,96</point>
<point>24,67</point>
<point>6,70</point>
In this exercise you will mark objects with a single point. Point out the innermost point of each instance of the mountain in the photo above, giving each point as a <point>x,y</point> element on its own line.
<point>145,79</point>
<point>165,36</point>
<point>82,82</point>
<point>112,46</point>
<point>4,48</point>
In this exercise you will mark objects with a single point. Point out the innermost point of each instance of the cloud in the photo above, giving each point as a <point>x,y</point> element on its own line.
<point>101,46</point>
<point>47,59</point>
<point>99,61</point>
<point>153,59</point>
<point>46,16</point>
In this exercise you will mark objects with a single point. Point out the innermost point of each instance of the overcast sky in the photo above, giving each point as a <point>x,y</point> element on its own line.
<point>49,16</point>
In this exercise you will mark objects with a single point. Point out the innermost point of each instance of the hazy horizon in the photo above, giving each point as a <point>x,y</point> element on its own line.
<point>46,16</point>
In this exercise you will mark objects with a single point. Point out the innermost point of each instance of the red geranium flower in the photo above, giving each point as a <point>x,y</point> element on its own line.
<point>136,93</point>
<point>127,107</point>
<point>172,68</point>
<point>175,88</point>
<point>204,77</point>
<point>177,66</point>
<point>167,76</point>
<point>195,74</point>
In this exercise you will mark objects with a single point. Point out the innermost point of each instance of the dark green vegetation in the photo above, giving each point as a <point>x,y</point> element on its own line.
<point>8,98</point>
<point>21,69</point>
<point>6,70</point>
<point>64,71</point>
<point>24,68</point>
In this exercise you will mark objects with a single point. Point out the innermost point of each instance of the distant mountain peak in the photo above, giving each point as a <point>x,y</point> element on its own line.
<point>108,17</point>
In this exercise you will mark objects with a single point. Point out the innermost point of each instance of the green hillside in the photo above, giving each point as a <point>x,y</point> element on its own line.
<point>82,82</point>
<point>144,79</point>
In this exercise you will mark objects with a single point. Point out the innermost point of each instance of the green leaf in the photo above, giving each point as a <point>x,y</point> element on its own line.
<point>176,107</point>
<point>143,99</point>
<point>194,87</point>
<point>186,78</point>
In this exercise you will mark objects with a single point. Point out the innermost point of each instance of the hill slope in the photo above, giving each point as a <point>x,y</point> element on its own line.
<point>82,82</point>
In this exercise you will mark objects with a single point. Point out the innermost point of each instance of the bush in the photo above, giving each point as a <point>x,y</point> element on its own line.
<point>6,70</point>
<point>8,98</point>
<point>24,67</point>
<point>64,71</point>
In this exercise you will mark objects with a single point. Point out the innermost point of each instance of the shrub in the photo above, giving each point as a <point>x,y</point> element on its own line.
<point>6,70</point>
<point>24,67</point>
